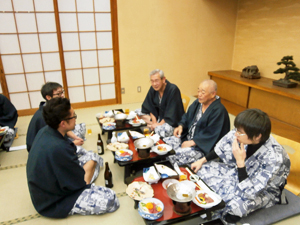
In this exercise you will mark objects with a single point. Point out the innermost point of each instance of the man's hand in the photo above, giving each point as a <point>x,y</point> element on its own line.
<point>78,141</point>
<point>187,144</point>
<point>177,131</point>
<point>198,164</point>
<point>239,153</point>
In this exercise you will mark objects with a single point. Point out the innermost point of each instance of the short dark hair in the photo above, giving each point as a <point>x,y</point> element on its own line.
<point>254,122</point>
<point>56,110</point>
<point>48,88</point>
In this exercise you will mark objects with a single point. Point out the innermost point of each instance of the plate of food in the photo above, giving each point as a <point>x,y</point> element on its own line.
<point>123,137</point>
<point>117,146</point>
<point>106,120</point>
<point>139,190</point>
<point>123,155</point>
<point>131,115</point>
<point>109,126</point>
<point>162,149</point>
<point>206,199</point>
<point>165,171</point>
<point>151,208</point>
<point>150,175</point>
<point>136,135</point>
<point>3,129</point>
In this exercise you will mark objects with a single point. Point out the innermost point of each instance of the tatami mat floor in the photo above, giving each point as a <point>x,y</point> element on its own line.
<point>15,202</point>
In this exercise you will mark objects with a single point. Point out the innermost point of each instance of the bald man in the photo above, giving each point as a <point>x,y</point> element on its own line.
<point>204,124</point>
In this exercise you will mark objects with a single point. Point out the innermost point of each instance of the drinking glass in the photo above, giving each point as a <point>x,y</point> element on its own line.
<point>89,131</point>
<point>146,131</point>
<point>127,111</point>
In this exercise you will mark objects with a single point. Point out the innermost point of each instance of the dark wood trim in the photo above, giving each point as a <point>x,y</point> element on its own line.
<point>3,80</point>
<point>60,48</point>
<point>115,37</point>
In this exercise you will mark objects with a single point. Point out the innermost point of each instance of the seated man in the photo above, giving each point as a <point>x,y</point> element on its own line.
<point>8,116</point>
<point>51,90</point>
<point>163,105</point>
<point>58,185</point>
<point>204,124</point>
<point>253,170</point>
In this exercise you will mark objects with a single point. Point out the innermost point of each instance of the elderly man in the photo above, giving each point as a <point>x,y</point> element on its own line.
<point>253,170</point>
<point>51,90</point>
<point>163,105</point>
<point>58,185</point>
<point>205,123</point>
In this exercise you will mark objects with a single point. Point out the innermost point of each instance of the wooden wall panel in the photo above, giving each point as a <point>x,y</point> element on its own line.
<point>277,106</point>
<point>225,90</point>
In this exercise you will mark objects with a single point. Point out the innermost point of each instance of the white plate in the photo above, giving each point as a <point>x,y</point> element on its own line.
<point>217,199</point>
<point>123,137</point>
<point>136,135</point>
<point>134,124</point>
<point>165,171</point>
<point>150,175</point>
<point>117,146</point>
<point>139,190</point>
<point>162,152</point>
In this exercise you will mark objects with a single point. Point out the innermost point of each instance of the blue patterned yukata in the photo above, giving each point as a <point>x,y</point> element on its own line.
<point>267,171</point>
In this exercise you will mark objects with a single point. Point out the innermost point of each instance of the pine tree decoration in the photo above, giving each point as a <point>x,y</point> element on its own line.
<point>291,72</point>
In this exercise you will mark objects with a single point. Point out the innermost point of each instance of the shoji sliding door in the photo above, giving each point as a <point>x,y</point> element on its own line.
<point>72,42</point>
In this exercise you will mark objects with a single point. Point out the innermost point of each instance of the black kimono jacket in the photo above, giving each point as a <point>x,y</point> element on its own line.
<point>211,127</point>
<point>55,178</point>
<point>171,108</point>
<point>8,112</point>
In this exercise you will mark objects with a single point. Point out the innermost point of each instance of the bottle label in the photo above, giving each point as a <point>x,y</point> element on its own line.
<point>106,182</point>
<point>99,148</point>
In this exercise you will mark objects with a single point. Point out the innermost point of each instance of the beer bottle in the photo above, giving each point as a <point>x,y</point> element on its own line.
<point>100,148</point>
<point>108,176</point>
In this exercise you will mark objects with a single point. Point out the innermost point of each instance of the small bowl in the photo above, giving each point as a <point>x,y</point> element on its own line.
<point>150,175</point>
<point>120,116</point>
<point>162,149</point>
<point>135,123</point>
<point>109,126</point>
<point>146,214</point>
<point>169,182</point>
<point>119,155</point>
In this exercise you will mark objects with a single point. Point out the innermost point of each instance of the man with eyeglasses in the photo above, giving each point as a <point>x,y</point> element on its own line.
<point>162,108</point>
<point>51,90</point>
<point>204,124</point>
<point>59,186</point>
<point>253,168</point>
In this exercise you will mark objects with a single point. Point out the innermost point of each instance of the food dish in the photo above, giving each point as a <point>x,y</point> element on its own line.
<point>109,126</point>
<point>150,175</point>
<point>138,190</point>
<point>151,208</point>
<point>181,192</point>
<point>135,123</point>
<point>123,137</point>
<point>136,135</point>
<point>106,120</point>
<point>165,171</point>
<point>3,130</point>
<point>162,149</point>
<point>117,146</point>
<point>123,155</point>
<point>131,115</point>
<point>169,182</point>
<point>206,199</point>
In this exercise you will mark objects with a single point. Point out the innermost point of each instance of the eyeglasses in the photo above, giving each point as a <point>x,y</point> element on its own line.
<point>59,93</point>
<point>238,133</point>
<point>73,117</point>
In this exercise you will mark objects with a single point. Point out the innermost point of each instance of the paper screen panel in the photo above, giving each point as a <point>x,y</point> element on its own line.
<point>102,6</point>
<point>87,40</point>
<point>45,5</point>
<point>72,60</point>
<point>108,91</point>
<point>29,43</point>
<point>84,5</point>
<point>92,93</point>
<point>66,5</point>
<point>9,44</point>
<point>35,81</point>
<point>48,42</point>
<point>16,83</point>
<point>76,94</point>
<point>23,5</point>
<point>68,22</point>
<point>90,76</point>
<point>9,26</point>
<point>107,75</point>
<point>12,64</point>
<point>46,22</point>
<point>32,62</point>
<point>26,22</point>
<point>51,61</point>
<point>104,39</point>
<point>74,77</point>
<point>20,100</point>
<point>103,21</point>
<point>105,58</point>
<point>70,41</point>
<point>5,5</point>
<point>89,59</point>
<point>54,77</point>
<point>86,22</point>
<point>35,99</point>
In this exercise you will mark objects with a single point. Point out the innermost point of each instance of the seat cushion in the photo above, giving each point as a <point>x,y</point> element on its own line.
<point>275,213</point>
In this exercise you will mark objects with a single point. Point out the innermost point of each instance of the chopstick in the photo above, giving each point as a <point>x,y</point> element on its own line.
<point>194,177</point>
<point>151,133</point>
